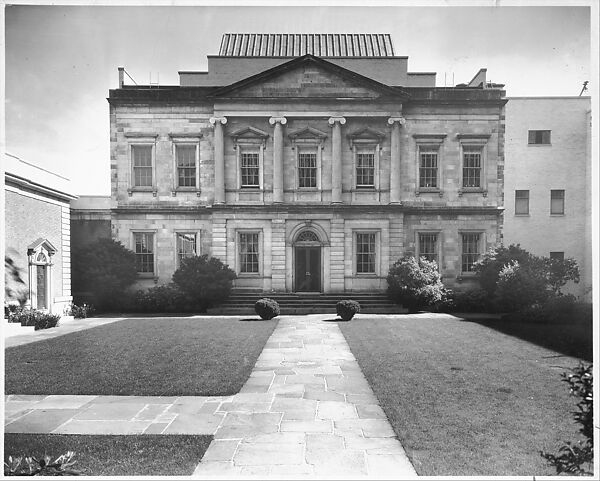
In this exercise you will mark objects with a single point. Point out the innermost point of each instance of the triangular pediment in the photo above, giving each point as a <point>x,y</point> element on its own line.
<point>309,77</point>
<point>307,133</point>
<point>41,243</point>
<point>366,134</point>
<point>248,133</point>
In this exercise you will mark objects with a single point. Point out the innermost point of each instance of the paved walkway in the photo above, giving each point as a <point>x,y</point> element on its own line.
<point>306,411</point>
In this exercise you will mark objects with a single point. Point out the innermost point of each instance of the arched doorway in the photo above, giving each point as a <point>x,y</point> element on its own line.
<point>307,262</point>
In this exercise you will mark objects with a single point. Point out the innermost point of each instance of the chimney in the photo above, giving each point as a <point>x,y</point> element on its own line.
<point>121,76</point>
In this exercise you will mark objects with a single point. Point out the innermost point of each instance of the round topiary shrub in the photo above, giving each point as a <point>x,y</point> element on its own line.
<point>267,308</point>
<point>347,308</point>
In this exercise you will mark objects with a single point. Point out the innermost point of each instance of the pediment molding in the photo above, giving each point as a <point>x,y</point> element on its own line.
<point>249,135</point>
<point>366,135</point>
<point>307,135</point>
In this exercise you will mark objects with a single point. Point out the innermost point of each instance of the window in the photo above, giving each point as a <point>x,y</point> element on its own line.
<point>472,166</point>
<point>557,202</point>
<point>307,169</point>
<point>521,202</point>
<point>365,253</point>
<point>428,167</point>
<point>428,246</point>
<point>539,137</point>
<point>186,165</point>
<point>559,256</point>
<point>250,169</point>
<point>249,252</point>
<point>470,251</point>
<point>365,170</point>
<point>142,165</point>
<point>144,252</point>
<point>186,246</point>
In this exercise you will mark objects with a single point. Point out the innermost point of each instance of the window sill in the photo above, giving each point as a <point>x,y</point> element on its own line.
<point>308,189</point>
<point>472,190</point>
<point>147,275</point>
<point>539,145</point>
<point>429,190</point>
<point>251,188</point>
<point>521,215</point>
<point>151,190</point>
<point>366,274</point>
<point>242,275</point>
<point>557,215</point>
<point>185,190</point>
<point>466,276</point>
<point>363,188</point>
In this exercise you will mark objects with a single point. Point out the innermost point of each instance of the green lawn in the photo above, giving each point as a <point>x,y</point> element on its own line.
<point>141,357</point>
<point>464,399</point>
<point>142,455</point>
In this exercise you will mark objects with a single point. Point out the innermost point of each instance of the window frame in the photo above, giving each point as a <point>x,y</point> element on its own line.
<point>185,139</point>
<point>552,199</point>
<point>438,247</point>
<point>366,141</point>
<point>153,232</point>
<point>479,142</point>
<point>260,253</point>
<point>434,142</point>
<point>377,252</point>
<point>530,131</point>
<point>309,148</point>
<point>197,252</point>
<point>480,249</point>
<point>516,199</point>
<point>135,139</point>
<point>249,139</point>
<point>255,149</point>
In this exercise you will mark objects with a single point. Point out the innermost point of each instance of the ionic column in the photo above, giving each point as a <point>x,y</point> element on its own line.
<point>336,159</point>
<point>218,123</point>
<point>396,123</point>
<point>278,123</point>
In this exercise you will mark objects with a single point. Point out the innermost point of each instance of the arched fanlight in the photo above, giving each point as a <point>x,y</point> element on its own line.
<point>307,236</point>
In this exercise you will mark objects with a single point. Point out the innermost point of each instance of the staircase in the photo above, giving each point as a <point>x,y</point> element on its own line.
<point>241,302</point>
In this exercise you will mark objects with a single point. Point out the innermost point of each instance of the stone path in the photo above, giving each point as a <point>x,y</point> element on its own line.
<point>306,411</point>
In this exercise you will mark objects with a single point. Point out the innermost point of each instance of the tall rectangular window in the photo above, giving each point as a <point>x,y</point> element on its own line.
<point>521,202</point>
<point>538,137</point>
<point>557,201</point>
<point>307,169</point>
<point>365,253</point>
<point>470,251</point>
<point>472,166</point>
<point>186,246</point>
<point>144,252</point>
<point>428,167</point>
<point>186,165</point>
<point>142,165</point>
<point>428,247</point>
<point>365,170</point>
<point>250,169</point>
<point>249,252</point>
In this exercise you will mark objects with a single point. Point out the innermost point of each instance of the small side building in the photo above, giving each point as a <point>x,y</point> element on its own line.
<point>548,180</point>
<point>38,234</point>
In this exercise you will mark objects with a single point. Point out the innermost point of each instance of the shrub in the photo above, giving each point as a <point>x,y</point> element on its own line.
<point>31,317</point>
<point>473,300</point>
<point>163,298</point>
<point>415,283</point>
<point>556,309</point>
<point>347,308</point>
<point>519,287</point>
<point>105,269</point>
<point>30,466</point>
<point>577,458</point>
<point>81,312</point>
<point>267,308</point>
<point>206,281</point>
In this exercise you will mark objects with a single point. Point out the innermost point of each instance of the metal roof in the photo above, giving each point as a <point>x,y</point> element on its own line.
<point>296,45</point>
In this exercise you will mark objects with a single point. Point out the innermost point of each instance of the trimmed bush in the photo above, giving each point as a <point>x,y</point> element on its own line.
<point>204,280</point>
<point>267,308</point>
<point>82,312</point>
<point>31,317</point>
<point>104,270</point>
<point>347,308</point>
<point>163,298</point>
<point>415,283</point>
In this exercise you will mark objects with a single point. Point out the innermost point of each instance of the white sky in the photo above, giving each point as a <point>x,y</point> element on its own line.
<point>61,61</point>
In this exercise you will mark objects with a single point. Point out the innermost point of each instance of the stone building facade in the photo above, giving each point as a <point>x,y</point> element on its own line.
<point>37,237</point>
<point>307,163</point>
<point>548,178</point>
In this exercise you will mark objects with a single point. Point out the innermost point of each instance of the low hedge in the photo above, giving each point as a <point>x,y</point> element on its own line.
<point>32,317</point>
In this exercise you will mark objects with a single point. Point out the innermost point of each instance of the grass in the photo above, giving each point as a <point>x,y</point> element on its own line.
<point>463,399</point>
<point>141,357</point>
<point>102,455</point>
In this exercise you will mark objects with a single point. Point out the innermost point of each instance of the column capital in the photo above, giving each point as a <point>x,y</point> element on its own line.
<point>280,120</point>
<point>214,120</point>
<point>333,120</point>
<point>400,120</point>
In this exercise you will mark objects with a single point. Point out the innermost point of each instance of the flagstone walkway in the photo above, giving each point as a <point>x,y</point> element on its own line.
<point>306,410</point>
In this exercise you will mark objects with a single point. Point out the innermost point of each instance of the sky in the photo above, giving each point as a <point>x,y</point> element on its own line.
<point>61,61</point>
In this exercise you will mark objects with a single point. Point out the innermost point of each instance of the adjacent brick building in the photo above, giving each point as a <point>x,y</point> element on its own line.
<point>37,237</point>
<point>548,180</point>
<point>306,163</point>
